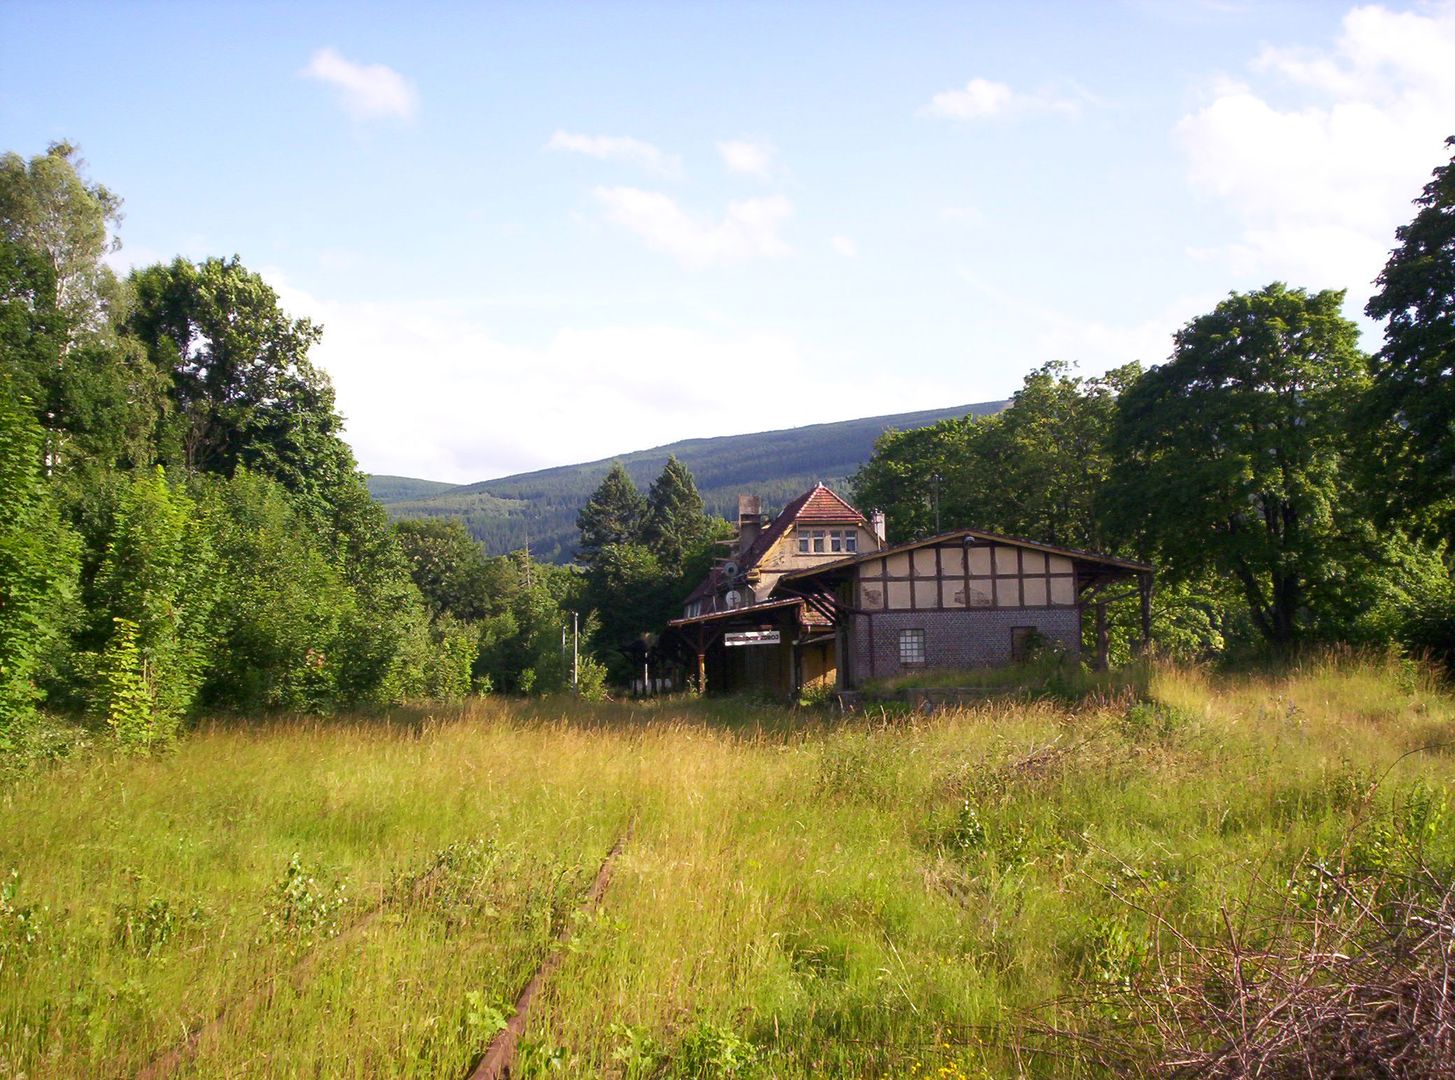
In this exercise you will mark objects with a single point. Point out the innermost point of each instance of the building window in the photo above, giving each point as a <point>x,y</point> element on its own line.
<point>911,648</point>
<point>827,541</point>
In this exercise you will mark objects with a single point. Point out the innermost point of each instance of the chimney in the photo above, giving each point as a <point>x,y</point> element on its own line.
<point>750,520</point>
<point>877,523</point>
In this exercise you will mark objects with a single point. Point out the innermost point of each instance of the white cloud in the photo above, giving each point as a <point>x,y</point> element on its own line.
<point>845,247</point>
<point>982,98</point>
<point>749,230</point>
<point>618,148</point>
<point>744,156</point>
<point>585,393</point>
<point>366,91</point>
<point>1318,161</point>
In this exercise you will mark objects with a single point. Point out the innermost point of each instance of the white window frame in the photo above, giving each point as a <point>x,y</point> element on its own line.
<point>914,639</point>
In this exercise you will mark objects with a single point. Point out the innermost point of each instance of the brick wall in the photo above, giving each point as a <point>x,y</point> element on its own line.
<point>956,639</point>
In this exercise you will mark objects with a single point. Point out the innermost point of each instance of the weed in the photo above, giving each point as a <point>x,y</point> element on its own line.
<point>968,831</point>
<point>637,1052</point>
<point>712,1052</point>
<point>1150,721</point>
<point>144,928</point>
<point>536,1057</point>
<point>20,924</point>
<point>480,1021</point>
<point>302,911</point>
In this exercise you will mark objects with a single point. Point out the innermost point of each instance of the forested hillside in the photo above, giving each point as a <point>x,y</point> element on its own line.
<point>393,489</point>
<point>540,508</point>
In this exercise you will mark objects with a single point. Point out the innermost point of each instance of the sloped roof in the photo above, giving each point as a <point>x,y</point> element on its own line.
<point>819,505</point>
<point>823,505</point>
<point>977,534</point>
<point>748,610</point>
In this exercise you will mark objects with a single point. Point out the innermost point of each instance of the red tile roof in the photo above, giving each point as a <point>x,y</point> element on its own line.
<point>816,506</point>
<point>822,505</point>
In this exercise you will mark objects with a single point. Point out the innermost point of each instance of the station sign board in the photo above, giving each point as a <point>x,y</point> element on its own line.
<point>752,637</point>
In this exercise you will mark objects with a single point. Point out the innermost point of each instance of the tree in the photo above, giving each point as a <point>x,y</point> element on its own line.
<point>613,515</point>
<point>153,597</point>
<point>448,566</point>
<point>1230,457</point>
<point>46,206</point>
<point>900,476</point>
<point>282,607</point>
<point>38,565</point>
<point>674,522</point>
<point>1414,373</point>
<point>95,396</point>
<point>1032,470</point>
<point>243,389</point>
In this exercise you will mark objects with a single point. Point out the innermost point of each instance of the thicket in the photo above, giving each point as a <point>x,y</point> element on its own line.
<point>184,528</point>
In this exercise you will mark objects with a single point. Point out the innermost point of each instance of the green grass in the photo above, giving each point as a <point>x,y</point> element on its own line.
<point>801,895</point>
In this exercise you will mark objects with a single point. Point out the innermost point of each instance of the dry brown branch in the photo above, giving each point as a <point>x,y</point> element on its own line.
<point>1357,984</point>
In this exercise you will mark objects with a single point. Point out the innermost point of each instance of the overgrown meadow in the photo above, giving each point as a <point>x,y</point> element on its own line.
<point>978,892</point>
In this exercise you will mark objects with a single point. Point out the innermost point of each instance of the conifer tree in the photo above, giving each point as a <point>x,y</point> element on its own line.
<point>674,522</point>
<point>613,515</point>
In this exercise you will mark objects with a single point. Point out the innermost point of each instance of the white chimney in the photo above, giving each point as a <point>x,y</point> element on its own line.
<point>877,523</point>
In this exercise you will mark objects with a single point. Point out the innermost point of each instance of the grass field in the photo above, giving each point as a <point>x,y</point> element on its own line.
<point>799,894</point>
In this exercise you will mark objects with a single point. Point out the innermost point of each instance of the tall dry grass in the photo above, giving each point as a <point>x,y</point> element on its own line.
<point>802,894</point>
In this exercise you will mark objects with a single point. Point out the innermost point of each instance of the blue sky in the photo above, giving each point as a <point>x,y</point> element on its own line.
<point>544,233</point>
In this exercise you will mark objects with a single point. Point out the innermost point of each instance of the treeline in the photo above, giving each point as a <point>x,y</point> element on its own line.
<point>642,556</point>
<point>1289,488</point>
<point>184,529</point>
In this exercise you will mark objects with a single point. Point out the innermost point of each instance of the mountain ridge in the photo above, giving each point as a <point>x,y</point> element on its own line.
<point>538,509</point>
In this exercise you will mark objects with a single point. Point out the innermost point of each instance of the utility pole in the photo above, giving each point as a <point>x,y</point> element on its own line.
<point>575,653</point>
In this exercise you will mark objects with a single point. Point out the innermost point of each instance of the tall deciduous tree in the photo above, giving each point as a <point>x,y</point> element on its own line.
<point>1414,374</point>
<point>94,395</point>
<point>1031,470</point>
<point>613,515</point>
<point>245,392</point>
<point>449,567</point>
<point>1230,455</point>
<point>47,206</point>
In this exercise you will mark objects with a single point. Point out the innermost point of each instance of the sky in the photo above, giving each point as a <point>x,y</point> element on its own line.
<point>544,233</point>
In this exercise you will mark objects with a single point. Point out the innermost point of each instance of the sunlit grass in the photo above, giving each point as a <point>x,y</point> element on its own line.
<point>802,894</point>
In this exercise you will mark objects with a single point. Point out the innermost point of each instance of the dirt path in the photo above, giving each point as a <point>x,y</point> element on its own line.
<point>500,1055</point>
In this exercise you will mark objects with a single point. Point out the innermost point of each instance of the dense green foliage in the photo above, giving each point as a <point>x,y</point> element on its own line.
<point>1239,468</point>
<point>1413,402</point>
<point>538,510</point>
<point>642,556</point>
<point>38,566</point>
<point>1032,470</point>
<point>1231,456</point>
<point>185,529</point>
